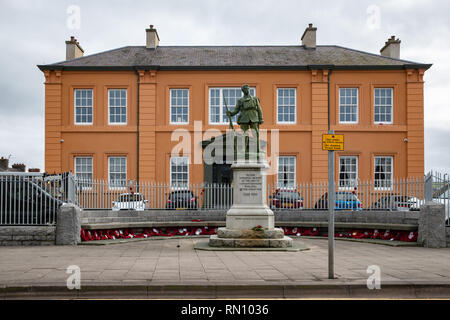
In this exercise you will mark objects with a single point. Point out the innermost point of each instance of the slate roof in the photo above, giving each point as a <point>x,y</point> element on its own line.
<point>232,57</point>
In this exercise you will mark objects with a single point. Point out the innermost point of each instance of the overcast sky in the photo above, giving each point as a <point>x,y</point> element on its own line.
<point>33,32</point>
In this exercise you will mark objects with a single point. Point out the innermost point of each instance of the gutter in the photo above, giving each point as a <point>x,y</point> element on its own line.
<point>227,68</point>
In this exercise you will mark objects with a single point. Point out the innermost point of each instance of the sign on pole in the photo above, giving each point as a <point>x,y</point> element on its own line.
<point>333,142</point>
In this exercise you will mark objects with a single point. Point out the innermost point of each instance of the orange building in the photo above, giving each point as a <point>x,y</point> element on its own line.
<point>119,114</point>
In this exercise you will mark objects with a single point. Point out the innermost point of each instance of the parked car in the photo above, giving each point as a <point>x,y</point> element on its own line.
<point>129,201</point>
<point>182,199</point>
<point>396,202</point>
<point>343,201</point>
<point>286,199</point>
<point>25,201</point>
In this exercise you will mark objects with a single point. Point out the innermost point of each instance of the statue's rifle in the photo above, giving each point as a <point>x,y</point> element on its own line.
<point>232,127</point>
<point>229,117</point>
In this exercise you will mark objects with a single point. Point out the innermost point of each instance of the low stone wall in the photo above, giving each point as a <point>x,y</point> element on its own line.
<point>385,217</point>
<point>27,235</point>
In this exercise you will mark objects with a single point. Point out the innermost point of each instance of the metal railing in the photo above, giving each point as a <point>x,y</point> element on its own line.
<point>99,194</point>
<point>440,191</point>
<point>30,198</point>
<point>399,194</point>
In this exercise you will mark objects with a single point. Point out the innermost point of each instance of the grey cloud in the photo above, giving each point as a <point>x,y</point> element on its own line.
<point>33,32</point>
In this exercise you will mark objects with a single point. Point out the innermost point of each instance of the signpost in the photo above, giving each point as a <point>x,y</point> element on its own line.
<point>331,142</point>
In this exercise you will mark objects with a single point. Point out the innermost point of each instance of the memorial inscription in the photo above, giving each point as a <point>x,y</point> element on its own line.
<point>250,184</point>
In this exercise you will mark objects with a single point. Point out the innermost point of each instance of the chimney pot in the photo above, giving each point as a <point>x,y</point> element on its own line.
<point>309,37</point>
<point>73,49</point>
<point>4,163</point>
<point>19,167</point>
<point>152,38</point>
<point>391,48</point>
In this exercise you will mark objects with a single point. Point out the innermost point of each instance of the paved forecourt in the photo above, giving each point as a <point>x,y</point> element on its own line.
<point>172,268</point>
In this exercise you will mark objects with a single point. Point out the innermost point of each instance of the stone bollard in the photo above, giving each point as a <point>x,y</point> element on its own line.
<point>432,225</point>
<point>68,226</point>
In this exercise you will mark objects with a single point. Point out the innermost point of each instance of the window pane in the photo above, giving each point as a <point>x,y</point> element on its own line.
<point>217,99</point>
<point>348,174</point>
<point>117,171</point>
<point>286,105</point>
<point>179,167</point>
<point>383,172</point>
<point>179,105</point>
<point>83,171</point>
<point>383,105</point>
<point>83,106</point>
<point>348,105</point>
<point>286,171</point>
<point>117,106</point>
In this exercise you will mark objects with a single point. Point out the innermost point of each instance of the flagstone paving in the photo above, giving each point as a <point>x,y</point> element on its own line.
<point>173,261</point>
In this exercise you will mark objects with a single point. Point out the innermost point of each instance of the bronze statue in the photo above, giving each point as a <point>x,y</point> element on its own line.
<point>250,116</point>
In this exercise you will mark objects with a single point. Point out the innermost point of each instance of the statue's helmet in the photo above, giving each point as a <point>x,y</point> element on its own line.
<point>245,86</point>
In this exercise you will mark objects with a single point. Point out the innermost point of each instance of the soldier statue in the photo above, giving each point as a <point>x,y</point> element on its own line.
<point>250,116</point>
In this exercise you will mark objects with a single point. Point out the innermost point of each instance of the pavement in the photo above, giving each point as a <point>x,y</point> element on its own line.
<point>172,268</point>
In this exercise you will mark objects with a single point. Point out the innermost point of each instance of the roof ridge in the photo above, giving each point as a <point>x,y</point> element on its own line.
<point>89,55</point>
<point>375,55</point>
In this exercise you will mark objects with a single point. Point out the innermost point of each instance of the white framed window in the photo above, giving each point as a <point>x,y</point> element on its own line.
<point>83,171</point>
<point>383,172</point>
<point>83,113</point>
<point>217,109</point>
<point>117,172</point>
<point>117,106</point>
<point>348,105</point>
<point>179,171</point>
<point>383,105</point>
<point>286,171</point>
<point>179,106</point>
<point>286,105</point>
<point>348,171</point>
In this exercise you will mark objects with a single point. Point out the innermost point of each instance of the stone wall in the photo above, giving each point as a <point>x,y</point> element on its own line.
<point>27,235</point>
<point>387,217</point>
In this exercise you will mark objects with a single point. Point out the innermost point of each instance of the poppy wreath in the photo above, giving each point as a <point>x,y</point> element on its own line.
<point>84,235</point>
<point>376,234</point>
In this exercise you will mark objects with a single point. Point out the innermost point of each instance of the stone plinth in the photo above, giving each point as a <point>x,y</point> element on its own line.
<point>249,197</point>
<point>68,226</point>
<point>432,225</point>
<point>250,210</point>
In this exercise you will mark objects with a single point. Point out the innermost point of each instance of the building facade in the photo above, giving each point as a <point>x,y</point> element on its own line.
<point>120,114</point>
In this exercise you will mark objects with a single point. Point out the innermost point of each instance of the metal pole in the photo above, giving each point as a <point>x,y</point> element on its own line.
<point>331,201</point>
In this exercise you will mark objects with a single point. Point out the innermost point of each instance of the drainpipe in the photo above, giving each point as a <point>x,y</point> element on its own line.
<point>137,127</point>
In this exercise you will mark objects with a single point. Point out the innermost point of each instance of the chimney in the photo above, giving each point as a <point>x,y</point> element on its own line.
<point>4,163</point>
<point>34,170</point>
<point>19,167</point>
<point>73,49</point>
<point>152,38</point>
<point>309,37</point>
<point>391,48</point>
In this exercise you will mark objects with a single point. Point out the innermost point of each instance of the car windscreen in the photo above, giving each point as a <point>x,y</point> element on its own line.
<point>346,197</point>
<point>288,195</point>
<point>130,197</point>
<point>181,195</point>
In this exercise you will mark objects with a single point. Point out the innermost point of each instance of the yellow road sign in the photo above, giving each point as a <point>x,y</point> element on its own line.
<point>333,142</point>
